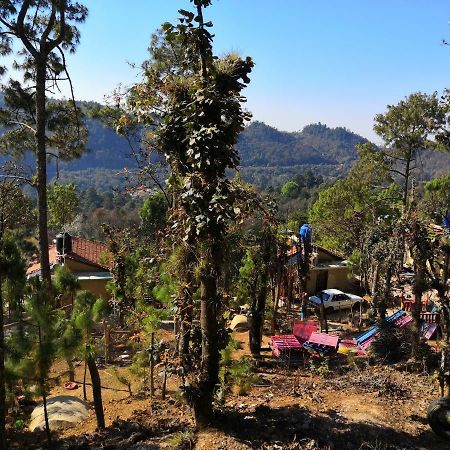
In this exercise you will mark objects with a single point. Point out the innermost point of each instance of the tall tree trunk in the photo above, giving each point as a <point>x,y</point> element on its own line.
<point>444,367</point>
<point>44,395</point>
<point>257,322</point>
<point>375,279</point>
<point>279,278</point>
<point>41,162</point>
<point>2,377</point>
<point>386,292</point>
<point>96,392</point>
<point>152,364</point>
<point>406,184</point>
<point>186,307</point>
<point>418,289</point>
<point>209,372</point>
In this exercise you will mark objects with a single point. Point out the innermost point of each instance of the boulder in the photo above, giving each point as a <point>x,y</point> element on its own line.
<point>239,323</point>
<point>64,411</point>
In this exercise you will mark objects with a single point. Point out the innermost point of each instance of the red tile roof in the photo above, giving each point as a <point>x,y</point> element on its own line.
<point>83,251</point>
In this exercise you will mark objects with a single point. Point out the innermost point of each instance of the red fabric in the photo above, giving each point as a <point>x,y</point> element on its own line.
<point>303,330</point>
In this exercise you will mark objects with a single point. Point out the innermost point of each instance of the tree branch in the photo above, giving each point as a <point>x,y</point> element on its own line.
<point>398,172</point>
<point>19,29</point>
<point>72,94</point>
<point>62,27</point>
<point>22,124</point>
<point>18,177</point>
<point>48,29</point>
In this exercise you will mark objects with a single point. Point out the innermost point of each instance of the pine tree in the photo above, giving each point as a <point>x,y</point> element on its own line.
<point>42,32</point>
<point>86,313</point>
<point>14,208</point>
<point>12,268</point>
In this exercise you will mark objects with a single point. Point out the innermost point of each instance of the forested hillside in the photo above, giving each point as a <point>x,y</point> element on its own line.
<point>269,157</point>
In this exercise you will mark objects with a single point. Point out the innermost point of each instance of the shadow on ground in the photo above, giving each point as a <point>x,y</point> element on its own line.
<point>286,427</point>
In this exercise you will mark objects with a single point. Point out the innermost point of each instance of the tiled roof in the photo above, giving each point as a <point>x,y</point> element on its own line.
<point>84,251</point>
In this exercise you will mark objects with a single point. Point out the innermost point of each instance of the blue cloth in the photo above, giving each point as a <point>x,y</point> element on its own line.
<point>305,233</point>
<point>446,222</point>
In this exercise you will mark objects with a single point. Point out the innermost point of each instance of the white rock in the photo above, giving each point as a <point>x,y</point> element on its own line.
<point>239,323</point>
<point>64,411</point>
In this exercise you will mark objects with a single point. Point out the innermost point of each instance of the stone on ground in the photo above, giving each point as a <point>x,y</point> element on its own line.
<point>239,323</point>
<point>64,411</point>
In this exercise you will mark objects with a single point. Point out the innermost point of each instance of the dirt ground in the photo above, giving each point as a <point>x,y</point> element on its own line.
<point>288,408</point>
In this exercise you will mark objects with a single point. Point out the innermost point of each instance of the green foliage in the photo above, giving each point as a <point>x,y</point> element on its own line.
<point>242,376</point>
<point>34,345</point>
<point>87,312</point>
<point>419,122</point>
<point>225,354</point>
<point>12,264</point>
<point>344,210</point>
<point>289,189</point>
<point>65,282</point>
<point>183,440</point>
<point>394,345</point>
<point>320,367</point>
<point>124,266</point>
<point>166,290</point>
<point>16,209</point>
<point>437,197</point>
<point>122,379</point>
<point>234,373</point>
<point>19,424</point>
<point>409,125</point>
<point>246,284</point>
<point>65,129</point>
<point>62,205</point>
<point>153,213</point>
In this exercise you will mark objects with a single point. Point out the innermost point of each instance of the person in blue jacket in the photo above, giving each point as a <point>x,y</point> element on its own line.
<point>305,234</point>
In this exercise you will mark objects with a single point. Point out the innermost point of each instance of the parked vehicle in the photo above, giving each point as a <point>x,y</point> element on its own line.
<point>333,300</point>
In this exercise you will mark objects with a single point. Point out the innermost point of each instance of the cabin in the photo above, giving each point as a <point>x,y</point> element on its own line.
<point>89,261</point>
<point>328,270</point>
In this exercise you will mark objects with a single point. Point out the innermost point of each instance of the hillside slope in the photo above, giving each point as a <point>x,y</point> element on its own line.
<point>269,157</point>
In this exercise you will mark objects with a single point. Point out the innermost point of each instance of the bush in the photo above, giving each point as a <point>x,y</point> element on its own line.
<point>389,346</point>
<point>395,344</point>
<point>242,376</point>
<point>184,440</point>
<point>320,367</point>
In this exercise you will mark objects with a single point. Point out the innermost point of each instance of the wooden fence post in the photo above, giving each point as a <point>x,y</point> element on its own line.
<point>107,336</point>
<point>152,365</point>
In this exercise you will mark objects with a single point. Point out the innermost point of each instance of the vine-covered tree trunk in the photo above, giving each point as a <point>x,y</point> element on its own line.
<point>2,377</point>
<point>186,307</point>
<point>41,162</point>
<point>96,392</point>
<point>209,372</point>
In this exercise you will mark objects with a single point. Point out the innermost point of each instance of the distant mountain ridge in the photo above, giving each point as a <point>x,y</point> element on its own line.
<point>261,144</point>
<point>268,156</point>
<point>258,145</point>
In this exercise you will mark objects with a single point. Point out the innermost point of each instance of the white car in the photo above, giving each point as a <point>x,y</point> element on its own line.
<point>333,299</point>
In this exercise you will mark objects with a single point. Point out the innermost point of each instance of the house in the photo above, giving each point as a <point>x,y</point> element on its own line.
<point>88,260</point>
<point>328,270</point>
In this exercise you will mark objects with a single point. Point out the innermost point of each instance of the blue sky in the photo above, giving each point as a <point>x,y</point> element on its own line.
<point>337,62</point>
